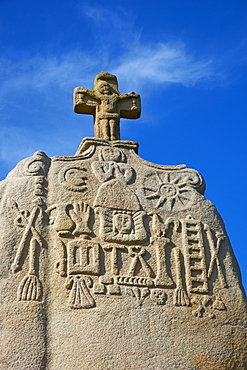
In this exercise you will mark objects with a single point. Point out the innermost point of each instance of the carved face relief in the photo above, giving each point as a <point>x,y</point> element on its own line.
<point>112,155</point>
<point>171,193</point>
<point>122,223</point>
<point>104,88</point>
<point>121,226</point>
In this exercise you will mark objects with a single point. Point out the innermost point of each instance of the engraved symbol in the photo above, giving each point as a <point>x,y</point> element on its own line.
<point>80,296</point>
<point>80,214</point>
<point>172,192</point>
<point>60,219</point>
<point>79,98</point>
<point>114,289</point>
<point>161,242</point>
<point>30,288</point>
<point>122,226</point>
<point>61,264</point>
<point>158,296</point>
<point>202,307</point>
<point>134,106</point>
<point>99,288</point>
<point>162,277</point>
<point>114,256</point>
<point>207,306</point>
<point>139,293</point>
<point>194,256</point>
<point>83,257</point>
<point>219,304</point>
<point>137,254</point>
<point>160,229</point>
<point>134,280</point>
<point>214,255</point>
<point>39,186</point>
<point>37,165</point>
<point>180,297</point>
<point>122,223</point>
<point>70,219</point>
<point>73,178</point>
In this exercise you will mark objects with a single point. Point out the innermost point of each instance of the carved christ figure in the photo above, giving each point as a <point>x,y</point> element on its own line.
<point>107,105</point>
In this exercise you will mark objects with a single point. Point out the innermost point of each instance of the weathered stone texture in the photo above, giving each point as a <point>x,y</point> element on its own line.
<point>111,262</point>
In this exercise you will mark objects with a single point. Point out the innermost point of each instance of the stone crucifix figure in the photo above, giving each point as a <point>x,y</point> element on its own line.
<point>107,105</point>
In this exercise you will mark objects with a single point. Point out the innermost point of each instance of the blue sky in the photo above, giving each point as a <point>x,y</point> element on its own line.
<point>187,59</point>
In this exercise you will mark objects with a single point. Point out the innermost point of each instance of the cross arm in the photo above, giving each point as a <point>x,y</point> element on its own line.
<point>85,101</point>
<point>129,105</point>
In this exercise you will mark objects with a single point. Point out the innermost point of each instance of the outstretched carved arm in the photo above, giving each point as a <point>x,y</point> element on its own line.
<point>104,171</point>
<point>85,101</point>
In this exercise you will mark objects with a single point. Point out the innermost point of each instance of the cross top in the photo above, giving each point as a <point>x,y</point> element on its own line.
<point>107,105</point>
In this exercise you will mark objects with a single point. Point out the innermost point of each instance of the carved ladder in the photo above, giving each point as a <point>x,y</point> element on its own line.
<point>194,256</point>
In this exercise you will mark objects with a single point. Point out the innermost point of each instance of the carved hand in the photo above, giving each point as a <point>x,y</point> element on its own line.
<point>80,214</point>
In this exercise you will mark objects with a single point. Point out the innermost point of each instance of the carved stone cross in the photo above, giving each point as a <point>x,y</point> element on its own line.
<point>107,105</point>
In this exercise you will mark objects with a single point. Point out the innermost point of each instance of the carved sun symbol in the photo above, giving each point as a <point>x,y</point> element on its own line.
<point>171,192</point>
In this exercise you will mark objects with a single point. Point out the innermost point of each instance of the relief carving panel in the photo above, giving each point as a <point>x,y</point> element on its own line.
<point>112,239</point>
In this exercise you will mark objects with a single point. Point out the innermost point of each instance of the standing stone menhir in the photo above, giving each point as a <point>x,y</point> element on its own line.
<point>108,261</point>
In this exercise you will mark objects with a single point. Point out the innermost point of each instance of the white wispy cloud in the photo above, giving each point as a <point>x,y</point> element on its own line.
<point>141,63</point>
<point>40,71</point>
<point>119,49</point>
<point>145,64</point>
<point>166,64</point>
